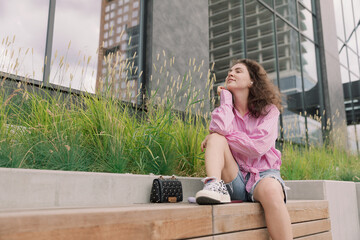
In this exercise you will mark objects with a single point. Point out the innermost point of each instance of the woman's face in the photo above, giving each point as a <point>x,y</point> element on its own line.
<point>238,78</point>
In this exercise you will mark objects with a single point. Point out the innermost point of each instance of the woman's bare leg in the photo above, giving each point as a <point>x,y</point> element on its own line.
<point>271,196</point>
<point>219,160</point>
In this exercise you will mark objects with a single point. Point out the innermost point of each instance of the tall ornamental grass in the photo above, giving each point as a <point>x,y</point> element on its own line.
<point>319,163</point>
<point>92,133</point>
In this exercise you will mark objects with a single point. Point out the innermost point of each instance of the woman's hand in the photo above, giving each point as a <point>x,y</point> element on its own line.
<point>219,89</point>
<point>203,144</point>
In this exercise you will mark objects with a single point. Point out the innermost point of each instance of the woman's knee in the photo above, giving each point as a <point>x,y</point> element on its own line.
<point>216,139</point>
<point>269,191</point>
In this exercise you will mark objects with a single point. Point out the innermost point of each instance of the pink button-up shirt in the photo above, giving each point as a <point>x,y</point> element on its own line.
<point>251,140</point>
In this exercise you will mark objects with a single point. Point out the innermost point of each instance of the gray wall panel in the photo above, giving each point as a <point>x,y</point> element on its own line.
<point>179,30</point>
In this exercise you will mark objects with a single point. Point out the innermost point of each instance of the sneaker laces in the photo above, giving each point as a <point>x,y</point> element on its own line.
<point>212,184</point>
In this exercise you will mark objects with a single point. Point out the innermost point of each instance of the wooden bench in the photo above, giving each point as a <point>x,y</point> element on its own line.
<point>310,220</point>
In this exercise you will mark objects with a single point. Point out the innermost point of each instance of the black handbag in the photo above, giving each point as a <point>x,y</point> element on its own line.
<point>166,190</point>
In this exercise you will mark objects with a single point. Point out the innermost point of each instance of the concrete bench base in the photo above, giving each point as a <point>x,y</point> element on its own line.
<point>310,220</point>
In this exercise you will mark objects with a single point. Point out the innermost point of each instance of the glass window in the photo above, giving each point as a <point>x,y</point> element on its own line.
<point>308,64</point>
<point>221,35</point>
<point>107,8</point>
<point>106,26</point>
<point>269,2</point>
<point>290,82</point>
<point>19,20</point>
<point>112,14</point>
<point>136,4</point>
<point>76,40</point>
<point>352,42</point>
<point>287,9</point>
<point>306,22</point>
<point>339,20</point>
<point>306,3</point>
<point>354,78</point>
<point>356,7</point>
<point>107,17</point>
<point>134,23</point>
<point>120,44</point>
<point>348,18</point>
<point>106,35</point>
<point>112,6</point>
<point>261,46</point>
<point>340,44</point>
<point>343,56</point>
<point>312,91</point>
<point>118,29</point>
<point>353,62</point>
<point>135,14</point>
<point>344,74</point>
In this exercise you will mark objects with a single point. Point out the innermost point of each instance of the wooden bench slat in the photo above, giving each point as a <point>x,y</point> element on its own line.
<point>150,222</point>
<point>243,216</point>
<point>299,230</point>
<point>319,236</point>
<point>311,227</point>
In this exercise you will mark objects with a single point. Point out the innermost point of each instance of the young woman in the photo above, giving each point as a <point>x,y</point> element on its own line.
<point>240,158</point>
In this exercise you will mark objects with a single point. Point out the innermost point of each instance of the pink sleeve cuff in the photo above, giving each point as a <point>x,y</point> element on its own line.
<point>226,97</point>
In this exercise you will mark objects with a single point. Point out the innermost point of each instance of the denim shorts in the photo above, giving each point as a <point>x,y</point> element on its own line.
<point>237,189</point>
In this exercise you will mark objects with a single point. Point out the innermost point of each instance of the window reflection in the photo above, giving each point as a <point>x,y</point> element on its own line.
<point>75,44</point>
<point>306,22</point>
<point>339,20</point>
<point>344,74</point>
<point>118,54</point>
<point>308,64</point>
<point>260,37</point>
<point>290,83</point>
<point>353,60</point>
<point>269,2</point>
<point>307,4</point>
<point>225,35</point>
<point>312,91</point>
<point>287,9</point>
<point>348,18</point>
<point>23,26</point>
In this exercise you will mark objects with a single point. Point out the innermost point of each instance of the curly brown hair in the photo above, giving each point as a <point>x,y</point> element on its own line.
<point>262,92</point>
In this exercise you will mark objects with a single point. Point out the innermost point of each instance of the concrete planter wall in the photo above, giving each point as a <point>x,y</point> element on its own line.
<point>23,188</point>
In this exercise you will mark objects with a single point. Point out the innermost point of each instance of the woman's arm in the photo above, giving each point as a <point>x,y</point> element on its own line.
<point>223,116</point>
<point>259,141</point>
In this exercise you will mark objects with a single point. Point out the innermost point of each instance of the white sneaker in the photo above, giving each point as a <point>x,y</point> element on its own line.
<point>214,192</point>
